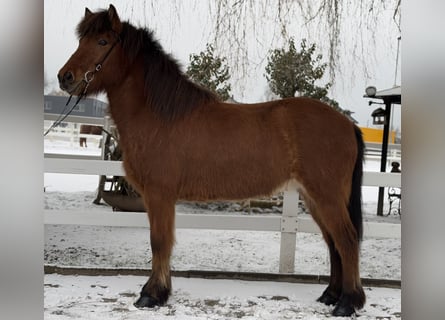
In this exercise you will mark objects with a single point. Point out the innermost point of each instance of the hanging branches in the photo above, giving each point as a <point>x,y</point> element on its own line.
<point>241,24</point>
<point>345,30</point>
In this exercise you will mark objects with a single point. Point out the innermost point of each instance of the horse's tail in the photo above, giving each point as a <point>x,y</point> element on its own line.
<point>355,200</point>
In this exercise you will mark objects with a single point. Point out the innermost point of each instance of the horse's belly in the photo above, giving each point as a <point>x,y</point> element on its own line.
<point>232,181</point>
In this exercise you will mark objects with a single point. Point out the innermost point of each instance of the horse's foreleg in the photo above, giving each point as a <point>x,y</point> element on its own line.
<point>161,214</point>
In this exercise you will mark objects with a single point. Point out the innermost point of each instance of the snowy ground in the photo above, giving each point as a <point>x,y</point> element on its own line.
<point>83,297</point>
<point>69,297</point>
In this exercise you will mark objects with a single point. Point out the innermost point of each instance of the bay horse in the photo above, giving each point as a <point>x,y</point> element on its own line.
<point>88,129</point>
<point>180,142</point>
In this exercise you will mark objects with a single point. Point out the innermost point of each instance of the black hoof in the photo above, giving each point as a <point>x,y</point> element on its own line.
<point>146,302</point>
<point>343,308</point>
<point>328,298</point>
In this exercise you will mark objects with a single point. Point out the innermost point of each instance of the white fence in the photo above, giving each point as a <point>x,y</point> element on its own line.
<point>287,224</point>
<point>70,131</point>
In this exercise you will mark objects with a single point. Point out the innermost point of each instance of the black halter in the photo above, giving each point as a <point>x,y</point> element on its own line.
<point>88,77</point>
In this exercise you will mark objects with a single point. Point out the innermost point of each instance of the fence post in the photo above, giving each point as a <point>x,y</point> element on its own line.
<point>289,229</point>
<point>107,126</point>
<point>69,129</point>
<point>75,133</point>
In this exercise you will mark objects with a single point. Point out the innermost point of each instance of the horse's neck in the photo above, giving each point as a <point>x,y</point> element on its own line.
<point>127,106</point>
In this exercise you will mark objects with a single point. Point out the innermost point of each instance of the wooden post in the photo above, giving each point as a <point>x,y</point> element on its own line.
<point>289,229</point>
<point>102,178</point>
<point>107,126</point>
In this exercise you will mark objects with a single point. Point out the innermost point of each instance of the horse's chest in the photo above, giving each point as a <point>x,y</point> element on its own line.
<point>144,162</point>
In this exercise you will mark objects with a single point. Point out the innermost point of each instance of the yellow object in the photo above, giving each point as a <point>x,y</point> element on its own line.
<point>376,135</point>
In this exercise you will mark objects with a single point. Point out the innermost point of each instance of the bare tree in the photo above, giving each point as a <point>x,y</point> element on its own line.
<point>242,27</point>
<point>324,21</point>
<point>45,80</point>
<point>58,92</point>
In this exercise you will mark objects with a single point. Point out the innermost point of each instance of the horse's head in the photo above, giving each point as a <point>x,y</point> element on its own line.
<point>94,62</point>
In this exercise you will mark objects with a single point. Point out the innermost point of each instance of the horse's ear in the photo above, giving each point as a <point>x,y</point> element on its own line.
<point>87,12</point>
<point>114,18</point>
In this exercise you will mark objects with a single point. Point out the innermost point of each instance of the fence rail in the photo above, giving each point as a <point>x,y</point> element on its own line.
<point>62,164</point>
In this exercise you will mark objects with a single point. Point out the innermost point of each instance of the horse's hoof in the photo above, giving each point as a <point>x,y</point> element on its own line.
<point>343,310</point>
<point>328,298</point>
<point>146,302</point>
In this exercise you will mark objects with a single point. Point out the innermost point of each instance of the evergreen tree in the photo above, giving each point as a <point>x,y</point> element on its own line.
<point>294,73</point>
<point>210,71</point>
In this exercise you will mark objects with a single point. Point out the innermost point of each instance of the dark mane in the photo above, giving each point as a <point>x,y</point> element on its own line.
<point>94,24</point>
<point>167,90</point>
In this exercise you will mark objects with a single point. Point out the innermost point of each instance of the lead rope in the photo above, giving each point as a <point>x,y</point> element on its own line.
<point>62,116</point>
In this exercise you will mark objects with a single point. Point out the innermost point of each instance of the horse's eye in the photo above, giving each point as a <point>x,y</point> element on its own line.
<point>102,42</point>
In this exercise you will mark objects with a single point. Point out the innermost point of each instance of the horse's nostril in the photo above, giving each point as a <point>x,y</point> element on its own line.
<point>68,76</point>
<point>65,79</point>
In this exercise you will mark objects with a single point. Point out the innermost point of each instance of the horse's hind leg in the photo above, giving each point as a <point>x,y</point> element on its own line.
<point>332,293</point>
<point>344,236</point>
<point>161,214</point>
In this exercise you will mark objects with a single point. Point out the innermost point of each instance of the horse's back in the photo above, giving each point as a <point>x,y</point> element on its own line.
<point>312,127</point>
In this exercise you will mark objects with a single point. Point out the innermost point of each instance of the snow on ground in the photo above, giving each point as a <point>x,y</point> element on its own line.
<point>101,297</point>
<point>69,297</point>
<point>94,246</point>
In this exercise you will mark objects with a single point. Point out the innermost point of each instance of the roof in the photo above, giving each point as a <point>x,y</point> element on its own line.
<point>393,95</point>
<point>87,107</point>
<point>395,91</point>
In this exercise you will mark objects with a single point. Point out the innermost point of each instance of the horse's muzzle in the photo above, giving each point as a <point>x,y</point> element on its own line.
<point>66,80</point>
